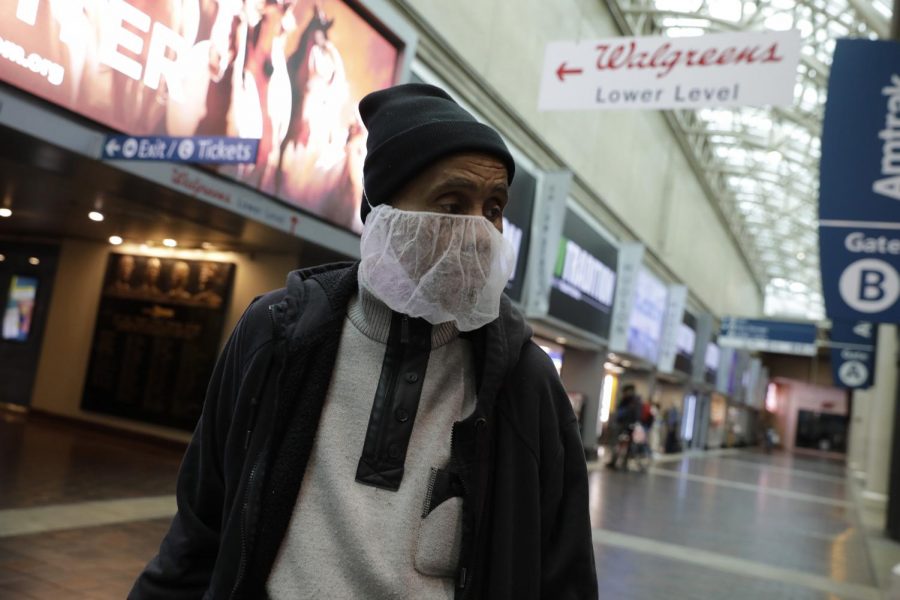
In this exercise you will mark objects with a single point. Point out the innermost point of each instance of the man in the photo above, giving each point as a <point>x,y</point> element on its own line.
<point>627,414</point>
<point>388,429</point>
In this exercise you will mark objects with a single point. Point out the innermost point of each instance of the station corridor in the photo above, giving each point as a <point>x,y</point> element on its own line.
<point>81,511</point>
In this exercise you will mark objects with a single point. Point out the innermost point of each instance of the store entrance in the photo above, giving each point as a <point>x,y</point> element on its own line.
<point>26,280</point>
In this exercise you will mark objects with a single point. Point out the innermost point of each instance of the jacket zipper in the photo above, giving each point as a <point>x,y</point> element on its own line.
<point>426,508</point>
<point>463,573</point>
<point>243,563</point>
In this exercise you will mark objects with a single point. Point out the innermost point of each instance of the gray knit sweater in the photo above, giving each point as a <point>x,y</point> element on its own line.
<point>348,540</point>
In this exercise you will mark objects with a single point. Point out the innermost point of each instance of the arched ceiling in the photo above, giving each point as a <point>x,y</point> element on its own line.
<point>762,164</point>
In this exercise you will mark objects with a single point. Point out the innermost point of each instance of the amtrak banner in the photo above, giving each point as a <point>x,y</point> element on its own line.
<point>853,353</point>
<point>859,203</point>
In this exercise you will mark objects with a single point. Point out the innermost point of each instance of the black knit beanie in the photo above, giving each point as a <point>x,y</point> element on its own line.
<point>410,127</point>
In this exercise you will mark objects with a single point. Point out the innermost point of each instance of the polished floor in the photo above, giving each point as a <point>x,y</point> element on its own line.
<point>82,511</point>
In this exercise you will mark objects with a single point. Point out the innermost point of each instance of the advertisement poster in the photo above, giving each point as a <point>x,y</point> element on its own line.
<point>19,308</point>
<point>157,335</point>
<point>288,73</point>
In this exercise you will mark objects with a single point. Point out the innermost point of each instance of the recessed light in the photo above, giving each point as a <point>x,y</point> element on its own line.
<point>169,243</point>
<point>34,261</point>
<point>115,240</point>
<point>95,215</point>
<point>5,212</point>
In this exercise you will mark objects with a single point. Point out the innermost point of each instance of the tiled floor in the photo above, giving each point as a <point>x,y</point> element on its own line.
<point>735,526</point>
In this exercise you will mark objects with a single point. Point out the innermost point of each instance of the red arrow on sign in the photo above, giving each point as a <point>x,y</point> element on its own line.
<point>562,71</point>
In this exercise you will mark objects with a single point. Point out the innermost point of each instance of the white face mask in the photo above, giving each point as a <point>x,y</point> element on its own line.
<point>436,267</point>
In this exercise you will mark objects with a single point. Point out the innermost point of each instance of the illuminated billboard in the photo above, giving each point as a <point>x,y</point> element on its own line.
<point>287,72</point>
<point>584,277</point>
<point>19,309</point>
<point>646,321</point>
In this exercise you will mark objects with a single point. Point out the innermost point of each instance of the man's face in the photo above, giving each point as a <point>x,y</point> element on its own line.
<point>463,184</point>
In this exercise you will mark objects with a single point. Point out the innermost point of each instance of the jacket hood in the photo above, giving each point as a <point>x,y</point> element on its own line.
<point>498,345</point>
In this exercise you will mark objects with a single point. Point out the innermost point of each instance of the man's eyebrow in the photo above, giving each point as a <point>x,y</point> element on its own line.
<point>466,183</point>
<point>456,182</point>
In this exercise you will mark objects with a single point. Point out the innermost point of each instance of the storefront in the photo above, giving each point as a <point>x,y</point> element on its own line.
<point>121,279</point>
<point>570,289</point>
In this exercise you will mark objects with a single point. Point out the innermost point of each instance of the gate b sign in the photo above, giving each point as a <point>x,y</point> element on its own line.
<point>859,203</point>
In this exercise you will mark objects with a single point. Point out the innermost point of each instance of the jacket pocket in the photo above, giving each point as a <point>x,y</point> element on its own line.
<point>440,532</point>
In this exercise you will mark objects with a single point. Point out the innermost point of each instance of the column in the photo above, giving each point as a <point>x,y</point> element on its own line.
<point>582,371</point>
<point>881,419</point>
<point>859,427</point>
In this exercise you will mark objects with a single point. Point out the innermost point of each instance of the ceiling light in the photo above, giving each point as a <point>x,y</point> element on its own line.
<point>5,212</point>
<point>115,240</point>
<point>95,215</point>
<point>2,257</point>
<point>207,246</point>
<point>34,261</point>
<point>169,243</point>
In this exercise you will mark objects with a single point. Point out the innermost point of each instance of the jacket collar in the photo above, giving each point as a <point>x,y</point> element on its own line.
<point>496,346</point>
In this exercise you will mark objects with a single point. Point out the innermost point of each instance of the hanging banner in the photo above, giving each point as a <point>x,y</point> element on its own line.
<point>853,346</point>
<point>629,266</point>
<point>653,73</point>
<point>859,191</point>
<point>517,218</point>
<point>781,337</point>
<point>673,328</point>
<point>549,216</point>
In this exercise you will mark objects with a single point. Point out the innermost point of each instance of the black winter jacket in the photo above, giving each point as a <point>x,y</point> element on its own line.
<point>526,527</point>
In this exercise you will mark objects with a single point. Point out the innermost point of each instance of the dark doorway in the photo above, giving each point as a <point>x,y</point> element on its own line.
<point>26,281</point>
<point>821,431</point>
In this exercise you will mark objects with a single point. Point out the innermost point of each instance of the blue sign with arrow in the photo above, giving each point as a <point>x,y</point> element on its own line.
<point>853,346</point>
<point>199,149</point>
<point>859,197</point>
<point>782,337</point>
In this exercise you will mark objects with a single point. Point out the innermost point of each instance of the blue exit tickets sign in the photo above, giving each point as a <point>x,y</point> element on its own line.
<point>217,150</point>
<point>859,197</point>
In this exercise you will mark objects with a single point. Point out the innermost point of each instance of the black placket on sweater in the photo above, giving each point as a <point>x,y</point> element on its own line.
<point>396,403</point>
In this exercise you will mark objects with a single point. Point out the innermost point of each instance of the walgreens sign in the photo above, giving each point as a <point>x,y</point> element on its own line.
<point>729,69</point>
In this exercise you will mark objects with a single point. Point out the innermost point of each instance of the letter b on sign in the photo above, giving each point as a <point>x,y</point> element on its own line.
<point>870,285</point>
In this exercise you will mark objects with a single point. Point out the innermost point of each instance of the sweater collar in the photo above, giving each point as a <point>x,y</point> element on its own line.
<point>373,318</point>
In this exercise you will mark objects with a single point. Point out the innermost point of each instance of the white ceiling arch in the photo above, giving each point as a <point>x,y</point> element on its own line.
<point>762,164</point>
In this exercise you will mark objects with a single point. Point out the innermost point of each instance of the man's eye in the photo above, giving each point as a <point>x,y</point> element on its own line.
<point>494,214</point>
